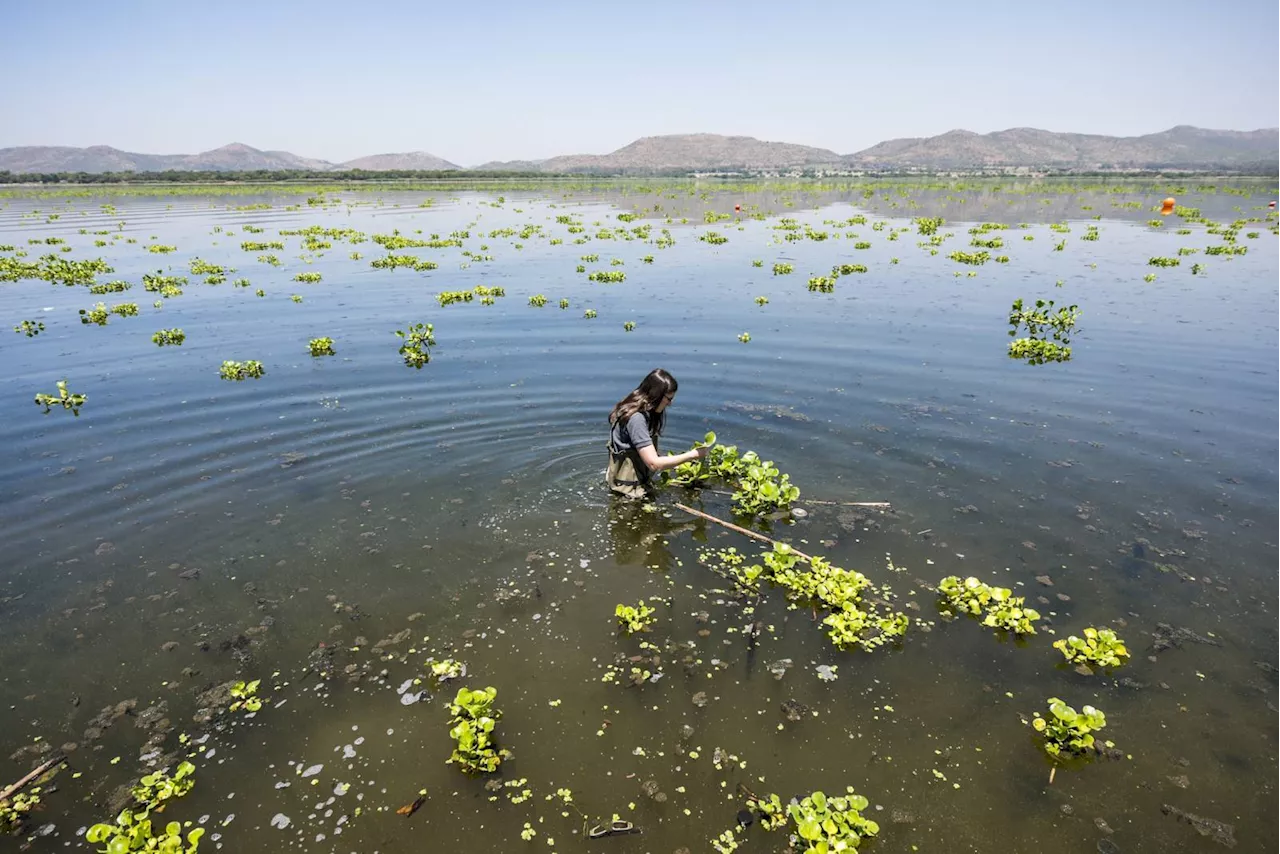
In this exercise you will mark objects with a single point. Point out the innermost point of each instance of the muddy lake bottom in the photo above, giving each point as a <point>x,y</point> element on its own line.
<point>331,526</point>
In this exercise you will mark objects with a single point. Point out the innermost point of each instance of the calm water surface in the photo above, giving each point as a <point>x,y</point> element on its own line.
<point>350,517</point>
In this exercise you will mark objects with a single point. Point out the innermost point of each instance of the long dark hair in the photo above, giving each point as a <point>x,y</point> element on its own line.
<point>646,398</point>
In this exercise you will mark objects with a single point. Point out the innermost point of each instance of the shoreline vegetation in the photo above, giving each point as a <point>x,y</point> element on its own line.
<point>276,177</point>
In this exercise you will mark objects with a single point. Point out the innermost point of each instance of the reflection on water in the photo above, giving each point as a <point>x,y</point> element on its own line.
<point>331,526</point>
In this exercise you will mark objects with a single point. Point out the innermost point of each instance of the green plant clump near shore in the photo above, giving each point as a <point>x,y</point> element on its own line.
<point>1067,731</point>
<point>15,810</point>
<point>133,829</point>
<point>1101,647</point>
<point>638,619</point>
<point>232,370</point>
<point>473,719</point>
<point>823,824</point>
<point>995,607</point>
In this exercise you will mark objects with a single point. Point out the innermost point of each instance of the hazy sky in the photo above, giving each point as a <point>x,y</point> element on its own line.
<point>477,81</point>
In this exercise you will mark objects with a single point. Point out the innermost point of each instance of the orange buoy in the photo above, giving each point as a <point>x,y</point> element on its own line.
<point>1166,207</point>
<point>1271,204</point>
<point>738,208</point>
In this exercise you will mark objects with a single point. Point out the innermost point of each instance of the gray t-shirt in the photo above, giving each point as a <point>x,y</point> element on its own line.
<point>633,434</point>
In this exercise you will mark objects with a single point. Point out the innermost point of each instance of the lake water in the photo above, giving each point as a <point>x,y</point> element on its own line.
<point>350,517</point>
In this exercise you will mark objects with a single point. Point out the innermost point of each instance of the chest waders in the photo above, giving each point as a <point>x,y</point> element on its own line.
<point>627,474</point>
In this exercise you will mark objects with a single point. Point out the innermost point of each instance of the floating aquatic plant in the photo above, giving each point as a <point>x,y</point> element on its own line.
<point>320,346</point>
<point>1101,647</point>
<point>473,719</point>
<point>635,619</point>
<point>63,398</point>
<point>232,370</point>
<point>169,337</point>
<point>1035,348</point>
<point>418,341</point>
<point>996,607</point>
<point>1067,731</point>
<point>29,328</point>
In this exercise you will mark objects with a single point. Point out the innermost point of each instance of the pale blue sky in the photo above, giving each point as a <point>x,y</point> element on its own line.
<point>478,81</point>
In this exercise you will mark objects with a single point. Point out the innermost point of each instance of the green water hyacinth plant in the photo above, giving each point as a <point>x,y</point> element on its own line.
<point>64,398</point>
<point>762,488</point>
<point>15,810</point>
<point>762,301</point>
<point>714,238</point>
<point>974,258</point>
<point>589,314</point>
<point>607,276</point>
<point>823,824</point>
<point>926,225</point>
<point>822,284</point>
<point>451,297</point>
<point>638,619</point>
<point>745,337</point>
<point>321,346</point>
<point>538,300</point>
<point>1163,262</point>
<point>471,726</point>
<point>848,269</point>
<point>1035,348</point>
<point>782,269</point>
<point>310,278</point>
<point>995,607</point>
<point>445,670</point>
<point>629,326</point>
<point>564,303</point>
<point>245,694</point>
<point>134,832</point>
<point>1067,732</point>
<point>29,328</point>
<point>418,341</point>
<point>156,788</point>
<point>109,288</point>
<point>1100,647</point>
<point>169,337</point>
<point>236,371</point>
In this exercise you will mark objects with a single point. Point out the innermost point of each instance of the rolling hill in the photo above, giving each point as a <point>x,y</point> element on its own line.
<point>1179,147</point>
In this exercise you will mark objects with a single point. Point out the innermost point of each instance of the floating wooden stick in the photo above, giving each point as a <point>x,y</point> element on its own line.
<point>41,769</point>
<point>819,501</point>
<point>733,527</point>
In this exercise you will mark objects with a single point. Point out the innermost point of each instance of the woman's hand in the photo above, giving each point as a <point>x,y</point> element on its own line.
<point>699,453</point>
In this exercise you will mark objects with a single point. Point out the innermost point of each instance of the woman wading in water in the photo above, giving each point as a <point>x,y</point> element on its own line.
<point>635,425</point>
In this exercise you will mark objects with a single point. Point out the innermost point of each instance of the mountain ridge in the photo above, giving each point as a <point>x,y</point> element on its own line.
<point>1182,146</point>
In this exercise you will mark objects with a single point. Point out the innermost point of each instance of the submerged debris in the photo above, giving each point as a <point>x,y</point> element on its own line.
<point>1167,636</point>
<point>1220,832</point>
